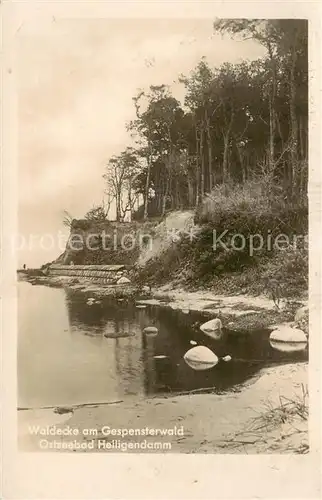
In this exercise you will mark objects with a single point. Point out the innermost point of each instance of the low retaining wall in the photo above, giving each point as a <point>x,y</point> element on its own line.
<point>107,274</point>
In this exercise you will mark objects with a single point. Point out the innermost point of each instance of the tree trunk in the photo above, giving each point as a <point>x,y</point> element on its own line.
<point>303,165</point>
<point>278,126</point>
<point>241,161</point>
<point>271,155</point>
<point>225,159</point>
<point>226,172</point>
<point>294,126</point>
<point>165,196</point>
<point>170,172</point>
<point>210,169</point>
<point>190,192</point>
<point>197,167</point>
<point>118,207</point>
<point>202,169</point>
<point>164,202</point>
<point>272,119</point>
<point>147,183</point>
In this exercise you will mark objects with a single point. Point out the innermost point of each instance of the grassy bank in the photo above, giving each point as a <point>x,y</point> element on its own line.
<point>105,242</point>
<point>249,240</point>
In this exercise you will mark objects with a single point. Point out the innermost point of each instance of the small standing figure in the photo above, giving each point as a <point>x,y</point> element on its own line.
<point>24,266</point>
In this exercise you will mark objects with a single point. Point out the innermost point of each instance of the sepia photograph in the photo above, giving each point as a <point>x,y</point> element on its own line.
<point>162,272</point>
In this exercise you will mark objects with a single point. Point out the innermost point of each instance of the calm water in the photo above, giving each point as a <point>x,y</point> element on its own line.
<point>69,352</point>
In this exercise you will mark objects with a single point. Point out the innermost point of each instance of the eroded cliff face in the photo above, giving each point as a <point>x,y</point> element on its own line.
<point>107,242</point>
<point>127,243</point>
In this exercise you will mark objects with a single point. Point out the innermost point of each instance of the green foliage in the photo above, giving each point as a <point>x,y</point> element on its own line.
<point>80,225</point>
<point>236,150</point>
<point>250,208</point>
<point>280,271</point>
<point>96,213</point>
<point>287,273</point>
<point>67,219</point>
<point>239,123</point>
<point>121,182</point>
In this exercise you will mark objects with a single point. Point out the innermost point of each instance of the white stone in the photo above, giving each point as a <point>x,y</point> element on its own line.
<point>285,333</point>
<point>212,328</point>
<point>226,358</point>
<point>288,346</point>
<point>193,342</point>
<point>151,330</point>
<point>123,281</point>
<point>200,358</point>
<point>212,325</point>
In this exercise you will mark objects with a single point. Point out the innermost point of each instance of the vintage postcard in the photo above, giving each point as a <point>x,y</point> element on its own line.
<point>161,297</point>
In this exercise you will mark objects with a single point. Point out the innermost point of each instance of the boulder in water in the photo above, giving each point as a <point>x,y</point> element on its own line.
<point>193,342</point>
<point>226,358</point>
<point>288,339</point>
<point>288,346</point>
<point>151,330</point>
<point>212,328</point>
<point>285,333</point>
<point>200,358</point>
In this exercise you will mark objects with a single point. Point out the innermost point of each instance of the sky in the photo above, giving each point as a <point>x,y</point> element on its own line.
<point>76,80</point>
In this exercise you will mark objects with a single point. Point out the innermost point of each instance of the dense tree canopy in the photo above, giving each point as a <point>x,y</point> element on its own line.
<point>239,122</point>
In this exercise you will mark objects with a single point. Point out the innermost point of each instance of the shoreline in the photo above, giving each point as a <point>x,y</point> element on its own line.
<point>237,312</point>
<point>233,413</point>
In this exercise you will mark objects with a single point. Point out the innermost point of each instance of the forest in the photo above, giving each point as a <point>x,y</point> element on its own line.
<point>240,124</point>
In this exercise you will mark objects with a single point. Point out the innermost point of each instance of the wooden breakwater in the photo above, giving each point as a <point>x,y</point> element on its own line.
<point>104,274</point>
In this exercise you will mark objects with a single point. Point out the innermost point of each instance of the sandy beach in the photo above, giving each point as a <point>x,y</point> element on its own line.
<point>230,423</point>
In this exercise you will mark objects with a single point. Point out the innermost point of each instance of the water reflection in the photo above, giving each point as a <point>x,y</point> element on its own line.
<point>117,324</point>
<point>70,352</point>
<point>107,319</point>
<point>149,363</point>
<point>129,365</point>
<point>249,352</point>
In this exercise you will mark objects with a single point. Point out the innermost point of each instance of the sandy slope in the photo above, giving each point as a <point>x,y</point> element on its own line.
<point>175,225</point>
